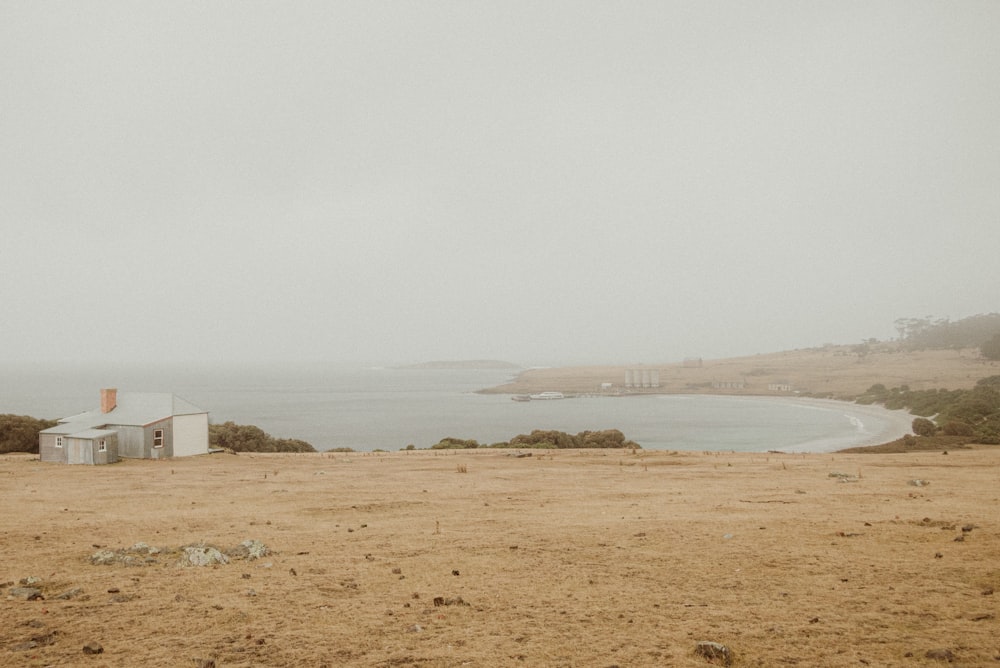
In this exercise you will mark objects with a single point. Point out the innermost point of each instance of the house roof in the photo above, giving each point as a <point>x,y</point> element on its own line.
<point>92,433</point>
<point>133,409</point>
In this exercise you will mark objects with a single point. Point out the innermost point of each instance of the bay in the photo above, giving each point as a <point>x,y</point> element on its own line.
<point>387,408</point>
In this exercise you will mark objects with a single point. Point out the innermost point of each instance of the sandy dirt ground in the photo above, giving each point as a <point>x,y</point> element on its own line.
<point>834,371</point>
<point>483,558</point>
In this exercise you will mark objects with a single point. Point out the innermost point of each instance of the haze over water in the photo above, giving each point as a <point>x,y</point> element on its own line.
<point>383,408</point>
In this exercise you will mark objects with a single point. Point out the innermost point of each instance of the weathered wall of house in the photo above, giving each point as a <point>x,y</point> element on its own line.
<point>137,442</point>
<point>190,434</point>
<point>47,450</point>
<point>79,450</point>
<point>131,441</point>
<point>110,455</point>
<point>167,449</point>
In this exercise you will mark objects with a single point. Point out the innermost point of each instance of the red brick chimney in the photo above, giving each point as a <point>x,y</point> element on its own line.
<point>109,399</point>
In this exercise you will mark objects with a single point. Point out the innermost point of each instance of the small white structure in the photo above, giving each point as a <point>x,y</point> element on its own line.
<point>728,384</point>
<point>649,378</point>
<point>141,425</point>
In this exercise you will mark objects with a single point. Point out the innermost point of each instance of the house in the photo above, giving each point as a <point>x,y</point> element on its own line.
<point>141,425</point>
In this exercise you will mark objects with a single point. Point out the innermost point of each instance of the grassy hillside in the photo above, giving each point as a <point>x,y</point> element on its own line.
<point>839,372</point>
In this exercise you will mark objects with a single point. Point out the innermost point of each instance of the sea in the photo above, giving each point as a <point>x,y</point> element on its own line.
<point>384,408</point>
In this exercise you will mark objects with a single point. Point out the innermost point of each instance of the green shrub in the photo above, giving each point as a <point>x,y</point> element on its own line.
<point>250,438</point>
<point>449,443</point>
<point>19,433</point>
<point>956,429</point>
<point>924,427</point>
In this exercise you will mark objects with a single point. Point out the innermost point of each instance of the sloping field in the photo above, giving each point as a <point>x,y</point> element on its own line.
<point>567,558</point>
<point>833,371</point>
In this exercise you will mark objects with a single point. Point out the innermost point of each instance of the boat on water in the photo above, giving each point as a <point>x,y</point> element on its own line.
<point>541,396</point>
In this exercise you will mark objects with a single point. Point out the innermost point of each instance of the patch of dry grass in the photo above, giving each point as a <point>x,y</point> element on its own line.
<point>574,558</point>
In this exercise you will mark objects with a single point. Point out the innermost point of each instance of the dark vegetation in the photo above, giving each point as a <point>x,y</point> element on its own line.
<point>19,433</point>
<point>548,439</point>
<point>977,331</point>
<point>970,416</point>
<point>248,438</point>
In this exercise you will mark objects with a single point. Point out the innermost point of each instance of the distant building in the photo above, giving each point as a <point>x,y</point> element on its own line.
<point>728,384</point>
<point>642,378</point>
<point>141,425</point>
<point>779,387</point>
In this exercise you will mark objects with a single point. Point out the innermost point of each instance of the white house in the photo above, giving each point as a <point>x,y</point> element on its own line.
<point>142,425</point>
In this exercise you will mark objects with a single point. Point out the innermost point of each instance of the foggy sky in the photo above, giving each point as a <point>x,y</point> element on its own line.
<point>540,182</point>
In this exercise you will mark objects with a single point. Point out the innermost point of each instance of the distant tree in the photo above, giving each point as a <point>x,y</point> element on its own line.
<point>449,443</point>
<point>19,433</point>
<point>928,333</point>
<point>292,445</point>
<point>924,427</point>
<point>957,429</point>
<point>250,438</point>
<point>991,349</point>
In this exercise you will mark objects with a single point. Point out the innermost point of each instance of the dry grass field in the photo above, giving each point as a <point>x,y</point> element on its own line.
<point>483,558</point>
<point>834,371</point>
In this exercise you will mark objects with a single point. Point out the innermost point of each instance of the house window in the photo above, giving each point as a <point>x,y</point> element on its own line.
<point>58,441</point>
<point>157,438</point>
<point>102,445</point>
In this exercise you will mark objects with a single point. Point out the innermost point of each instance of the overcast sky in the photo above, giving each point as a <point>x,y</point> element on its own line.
<point>540,182</point>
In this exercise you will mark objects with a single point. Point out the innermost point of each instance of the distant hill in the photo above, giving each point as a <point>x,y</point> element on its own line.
<point>837,372</point>
<point>462,364</point>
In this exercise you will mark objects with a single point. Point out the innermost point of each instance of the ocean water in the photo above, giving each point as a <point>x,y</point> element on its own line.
<point>386,408</point>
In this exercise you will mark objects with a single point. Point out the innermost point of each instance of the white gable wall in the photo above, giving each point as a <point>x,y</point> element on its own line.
<point>190,434</point>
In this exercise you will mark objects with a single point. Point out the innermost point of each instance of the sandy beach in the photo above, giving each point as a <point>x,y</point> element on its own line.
<point>484,558</point>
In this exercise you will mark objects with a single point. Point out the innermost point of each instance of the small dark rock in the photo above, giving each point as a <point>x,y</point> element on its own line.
<point>938,555</point>
<point>24,646</point>
<point>93,648</point>
<point>940,655</point>
<point>69,593</point>
<point>967,528</point>
<point>960,539</point>
<point>45,638</point>
<point>455,573</point>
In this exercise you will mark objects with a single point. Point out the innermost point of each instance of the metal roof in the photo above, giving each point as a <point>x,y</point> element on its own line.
<point>133,409</point>
<point>92,433</point>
